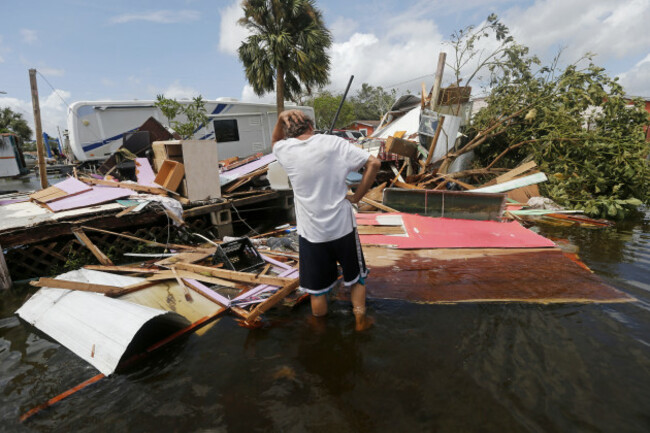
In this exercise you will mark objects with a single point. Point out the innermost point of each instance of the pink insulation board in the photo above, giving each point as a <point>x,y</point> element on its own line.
<point>96,195</point>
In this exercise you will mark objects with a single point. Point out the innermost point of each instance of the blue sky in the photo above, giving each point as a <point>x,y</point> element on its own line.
<point>121,50</point>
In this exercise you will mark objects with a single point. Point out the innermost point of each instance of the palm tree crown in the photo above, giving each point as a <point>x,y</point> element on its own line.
<point>287,46</point>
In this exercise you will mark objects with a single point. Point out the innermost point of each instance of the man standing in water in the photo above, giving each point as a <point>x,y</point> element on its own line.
<point>317,166</point>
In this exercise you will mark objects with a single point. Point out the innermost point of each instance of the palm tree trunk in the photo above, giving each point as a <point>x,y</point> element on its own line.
<point>279,90</point>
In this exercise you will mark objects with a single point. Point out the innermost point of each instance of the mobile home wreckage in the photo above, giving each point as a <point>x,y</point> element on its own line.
<point>423,241</point>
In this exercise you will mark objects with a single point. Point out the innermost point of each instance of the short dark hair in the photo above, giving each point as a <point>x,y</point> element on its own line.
<point>298,127</point>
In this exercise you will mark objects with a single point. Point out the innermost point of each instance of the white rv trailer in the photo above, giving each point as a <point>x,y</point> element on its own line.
<point>96,128</point>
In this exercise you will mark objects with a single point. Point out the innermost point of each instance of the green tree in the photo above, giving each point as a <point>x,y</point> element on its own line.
<point>370,103</point>
<point>193,112</point>
<point>575,122</point>
<point>325,105</point>
<point>287,47</point>
<point>11,121</point>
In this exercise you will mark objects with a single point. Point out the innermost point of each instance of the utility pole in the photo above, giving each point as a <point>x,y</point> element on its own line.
<point>40,147</point>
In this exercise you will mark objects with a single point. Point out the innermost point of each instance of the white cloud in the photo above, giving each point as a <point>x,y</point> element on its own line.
<point>107,82</point>
<point>249,95</point>
<point>53,110</point>
<point>175,91</point>
<point>406,51</point>
<point>161,17</point>
<point>231,34</point>
<point>29,36</point>
<point>612,29</point>
<point>636,81</point>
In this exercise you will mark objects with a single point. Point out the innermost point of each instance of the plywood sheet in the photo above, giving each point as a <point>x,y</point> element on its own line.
<point>537,276</point>
<point>201,169</point>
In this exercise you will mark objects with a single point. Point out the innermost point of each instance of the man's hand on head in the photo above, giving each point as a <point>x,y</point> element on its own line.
<point>289,116</point>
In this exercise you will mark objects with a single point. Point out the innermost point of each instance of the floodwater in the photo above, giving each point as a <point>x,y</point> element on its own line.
<point>445,368</point>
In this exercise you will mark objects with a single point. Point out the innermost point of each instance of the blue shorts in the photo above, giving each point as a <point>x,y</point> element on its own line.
<point>318,263</point>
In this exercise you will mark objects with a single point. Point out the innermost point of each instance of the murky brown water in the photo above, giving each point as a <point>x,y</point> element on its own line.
<point>446,368</point>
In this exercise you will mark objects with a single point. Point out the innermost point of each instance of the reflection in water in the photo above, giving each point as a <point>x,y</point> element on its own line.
<point>471,367</point>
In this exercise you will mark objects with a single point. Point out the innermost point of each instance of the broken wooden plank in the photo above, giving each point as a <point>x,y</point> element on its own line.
<point>514,184</point>
<point>523,168</point>
<point>85,240</point>
<point>132,186</point>
<point>188,296</point>
<point>127,269</point>
<point>402,147</point>
<point>274,299</point>
<point>126,211</point>
<point>185,257</point>
<point>235,275</point>
<point>54,283</point>
<point>378,205</point>
<point>167,275</point>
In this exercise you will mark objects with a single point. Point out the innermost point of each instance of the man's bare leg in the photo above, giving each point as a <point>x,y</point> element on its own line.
<point>318,305</point>
<point>358,297</point>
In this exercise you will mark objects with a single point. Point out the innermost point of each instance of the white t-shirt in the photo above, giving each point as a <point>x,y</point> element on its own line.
<point>317,168</point>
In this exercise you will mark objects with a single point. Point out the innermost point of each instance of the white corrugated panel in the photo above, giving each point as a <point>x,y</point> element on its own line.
<point>96,328</point>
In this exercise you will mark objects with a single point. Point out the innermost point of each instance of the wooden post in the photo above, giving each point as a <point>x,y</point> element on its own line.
<point>40,146</point>
<point>438,80</point>
<point>5,277</point>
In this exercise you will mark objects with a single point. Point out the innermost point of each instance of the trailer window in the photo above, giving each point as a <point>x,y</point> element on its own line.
<point>226,130</point>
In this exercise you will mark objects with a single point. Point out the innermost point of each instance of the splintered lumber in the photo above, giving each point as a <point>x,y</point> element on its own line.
<point>376,194</point>
<point>514,184</point>
<point>168,275</point>
<point>378,205</point>
<point>85,240</point>
<point>150,243</point>
<point>186,257</point>
<point>398,174</point>
<point>127,269</point>
<point>242,277</point>
<point>274,299</point>
<point>132,186</point>
<point>523,168</point>
<point>54,283</point>
<point>188,296</point>
<point>246,178</point>
<point>126,211</point>
<point>130,289</point>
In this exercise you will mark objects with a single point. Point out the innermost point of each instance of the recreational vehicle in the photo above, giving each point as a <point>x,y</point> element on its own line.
<point>96,128</point>
<point>12,161</point>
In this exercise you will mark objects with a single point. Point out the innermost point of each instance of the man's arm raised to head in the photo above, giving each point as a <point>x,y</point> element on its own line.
<point>369,174</point>
<point>284,119</point>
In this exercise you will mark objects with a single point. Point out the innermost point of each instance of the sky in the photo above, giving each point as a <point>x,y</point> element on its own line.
<point>125,50</point>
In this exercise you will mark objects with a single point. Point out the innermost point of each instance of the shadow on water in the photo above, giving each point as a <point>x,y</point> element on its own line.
<point>470,367</point>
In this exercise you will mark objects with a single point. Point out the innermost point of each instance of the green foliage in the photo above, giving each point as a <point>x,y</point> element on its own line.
<point>575,122</point>
<point>370,103</point>
<point>194,114</point>
<point>325,106</point>
<point>288,46</point>
<point>11,121</point>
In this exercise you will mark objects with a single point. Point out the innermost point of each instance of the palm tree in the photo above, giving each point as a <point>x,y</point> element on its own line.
<point>287,47</point>
<point>11,121</point>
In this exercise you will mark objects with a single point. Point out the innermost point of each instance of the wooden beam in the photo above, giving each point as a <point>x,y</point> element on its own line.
<point>73,285</point>
<point>378,205</point>
<point>85,240</point>
<point>125,269</point>
<point>121,291</point>
<point>40,146</point>
<point>168,275</point>
<point>523,168</point>
<point>442,57</point>
<point>243,277</point>
<point>131,186</point>
<point>188,296</point>
<point>274,299</point>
